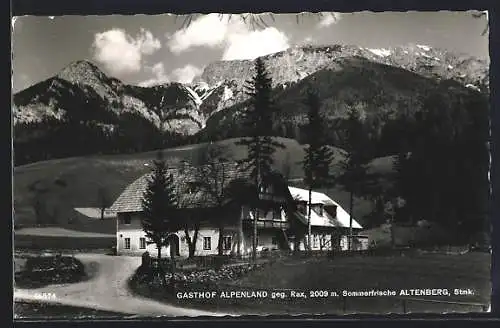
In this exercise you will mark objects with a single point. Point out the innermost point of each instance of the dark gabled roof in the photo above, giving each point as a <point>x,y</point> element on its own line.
<point>185,175</point>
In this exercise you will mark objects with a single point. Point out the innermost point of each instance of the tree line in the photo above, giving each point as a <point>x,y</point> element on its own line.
<point>439,171</point>
<point>54,138</point>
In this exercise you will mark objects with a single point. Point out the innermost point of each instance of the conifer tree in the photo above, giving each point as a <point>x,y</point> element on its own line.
<point>317,156</point>
<point>260,145</point>
<point>159,205</point>
<point>354,177</point>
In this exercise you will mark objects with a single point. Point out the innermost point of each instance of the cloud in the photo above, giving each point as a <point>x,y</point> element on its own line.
<point>207,30</point>
<point>160,77</point>
<point>253,44</point>
<point>121,53</point>
<point>328,19</point>
<point>147,42</point>
<point>186,74</point>
<point>231,34</point>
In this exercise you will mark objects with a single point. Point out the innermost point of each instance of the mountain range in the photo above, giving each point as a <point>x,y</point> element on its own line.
<point>382,83</point>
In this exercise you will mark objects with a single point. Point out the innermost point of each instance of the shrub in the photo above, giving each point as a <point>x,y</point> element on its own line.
<point>44,270</point>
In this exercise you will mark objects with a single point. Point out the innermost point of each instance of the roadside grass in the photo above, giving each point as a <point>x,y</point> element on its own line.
<point>39,310</point>
<point>352,273</point>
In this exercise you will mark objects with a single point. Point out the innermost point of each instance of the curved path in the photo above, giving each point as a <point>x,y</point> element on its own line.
<point>107,290</point>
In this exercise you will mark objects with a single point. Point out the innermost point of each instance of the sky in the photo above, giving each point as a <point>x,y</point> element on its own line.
<point>151,49</point>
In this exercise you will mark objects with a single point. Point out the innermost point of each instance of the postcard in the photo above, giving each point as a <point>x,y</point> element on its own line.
<point>251,164</point>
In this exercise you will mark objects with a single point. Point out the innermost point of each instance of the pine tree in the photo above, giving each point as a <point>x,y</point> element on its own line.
<point>258,119</point>
<point>355,163</point>
<point>318,156</point>
<point>449,174</point>
<point>159,204</point>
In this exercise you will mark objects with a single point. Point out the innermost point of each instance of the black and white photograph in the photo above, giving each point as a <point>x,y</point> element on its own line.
<point>251,164</point>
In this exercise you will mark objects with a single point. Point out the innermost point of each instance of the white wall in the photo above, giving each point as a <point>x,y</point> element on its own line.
<point>134,232</point>
<point>327,245</point>
<point>135,236</point>
<point>211,233</point>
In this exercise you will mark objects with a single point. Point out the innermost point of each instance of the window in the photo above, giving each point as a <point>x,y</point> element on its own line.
<point>333,211</point>
<point>322,241</point>
<point>142,243</point>
<point>315,241</point>
<point>318,208</point>
<point>226,243</point>
<point>302,207</point>
<point>126,218</point>
<point>207,243</point>
<point>274,241</point>
<point>277,214</point>
<point>127,243</point>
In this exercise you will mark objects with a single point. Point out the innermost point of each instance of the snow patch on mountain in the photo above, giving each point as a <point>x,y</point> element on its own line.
<point>423,47</point>
<point>196,98</point>
<point>207,94</point>
<point>472,86</point>
<point>202,86</point>
<point>228,93</point>
<point>381,52</point>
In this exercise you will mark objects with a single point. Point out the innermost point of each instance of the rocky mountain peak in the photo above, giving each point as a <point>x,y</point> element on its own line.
<point>86,73</point>
<point>81,72</point>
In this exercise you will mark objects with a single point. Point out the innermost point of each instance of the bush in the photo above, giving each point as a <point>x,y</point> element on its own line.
<point>195,277</point>
<point>45,270</point>
<point>212,275</point>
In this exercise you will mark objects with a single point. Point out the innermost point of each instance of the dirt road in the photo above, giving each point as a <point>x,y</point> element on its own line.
<point>106,290</point>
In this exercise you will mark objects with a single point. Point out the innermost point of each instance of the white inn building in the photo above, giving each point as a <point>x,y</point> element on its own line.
<point>281,222</point>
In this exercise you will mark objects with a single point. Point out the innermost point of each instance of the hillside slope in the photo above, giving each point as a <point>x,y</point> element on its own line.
<point>64,184</point>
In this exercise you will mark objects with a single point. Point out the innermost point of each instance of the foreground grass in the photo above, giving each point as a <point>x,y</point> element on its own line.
<point>470,271</point>
<point>36,310</point>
